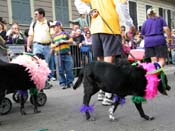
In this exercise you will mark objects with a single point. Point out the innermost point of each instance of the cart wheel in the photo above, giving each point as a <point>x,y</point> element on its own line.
<point>41,100</point>
<point>16,97</point>
<point>5,106</point>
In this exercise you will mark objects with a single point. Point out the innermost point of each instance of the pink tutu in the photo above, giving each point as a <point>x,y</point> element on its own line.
<point>152,81</point>
<point>37,68</point>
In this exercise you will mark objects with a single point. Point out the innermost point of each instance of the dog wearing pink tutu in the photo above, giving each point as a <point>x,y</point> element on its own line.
<point>25,72</point>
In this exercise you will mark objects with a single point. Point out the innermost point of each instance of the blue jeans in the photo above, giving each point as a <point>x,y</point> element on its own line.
<point>65,65</point>
<point>173,56</point>
<point>52,65</point>
<point>42,49</point>
<point>89,56</point>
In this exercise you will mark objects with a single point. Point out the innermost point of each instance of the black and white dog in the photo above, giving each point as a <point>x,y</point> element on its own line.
<point>15,77</point>
<point>122,80</point>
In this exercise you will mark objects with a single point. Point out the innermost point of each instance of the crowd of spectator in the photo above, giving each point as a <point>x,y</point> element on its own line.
<point>80,35</point>
<point>34,40</point>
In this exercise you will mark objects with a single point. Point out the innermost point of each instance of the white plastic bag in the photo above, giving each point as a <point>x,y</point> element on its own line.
<point>123,12</point>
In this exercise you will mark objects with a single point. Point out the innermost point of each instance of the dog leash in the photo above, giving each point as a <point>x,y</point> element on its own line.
<point>112,31</point>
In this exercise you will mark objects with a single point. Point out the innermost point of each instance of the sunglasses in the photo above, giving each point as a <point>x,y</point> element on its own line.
<point>36,14</point>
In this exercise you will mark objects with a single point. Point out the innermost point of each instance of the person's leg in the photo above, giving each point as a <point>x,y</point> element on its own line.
<point>97,49</point>
<point>173,56</point>
<point>112,48</point>
<point>162,61</point>
<point>101,94</point>
<point>69,70</point>
<point>40,51</point>
<point>107,100</point>
<point>100,58</point>
<point>89,56</point>
<point>47,56</point>
<point>37,49</point>
<point>52,66</point>
<point>150,53</point>
<point>154,59</point>
<point>162,54</point>
<point>46,53</point>
<point>61,68</point>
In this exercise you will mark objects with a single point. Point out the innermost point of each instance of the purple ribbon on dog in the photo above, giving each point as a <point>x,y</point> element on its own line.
<point>116,98</point>
<point>122,101</point>
<point>22,92</point>
<point>85,108</point>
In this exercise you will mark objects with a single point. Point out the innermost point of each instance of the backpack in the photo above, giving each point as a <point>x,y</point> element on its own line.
<point>34,23</point>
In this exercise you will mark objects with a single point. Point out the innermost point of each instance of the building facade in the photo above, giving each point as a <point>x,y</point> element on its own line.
<point>64,10</point>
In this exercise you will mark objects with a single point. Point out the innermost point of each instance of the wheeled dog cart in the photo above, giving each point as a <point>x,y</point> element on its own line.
<point>6,105</point>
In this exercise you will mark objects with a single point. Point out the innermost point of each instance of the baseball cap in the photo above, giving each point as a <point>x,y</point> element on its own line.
<point>56,23</point>
<point>150,11</point>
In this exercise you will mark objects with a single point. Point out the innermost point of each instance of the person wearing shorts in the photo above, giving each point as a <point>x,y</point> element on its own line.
<point>153,31</point>
<point>105,30</point>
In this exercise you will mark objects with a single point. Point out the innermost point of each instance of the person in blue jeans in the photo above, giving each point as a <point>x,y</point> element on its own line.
<point>172,46</point>
<point>86,47</point>
<point>52,66</point>
<point>65,71</point>
<point>38,41</point>
<point>60,44</point>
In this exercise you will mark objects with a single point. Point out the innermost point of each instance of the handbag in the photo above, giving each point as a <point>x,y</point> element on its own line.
<point>126,48</point>
<point>85,48</point>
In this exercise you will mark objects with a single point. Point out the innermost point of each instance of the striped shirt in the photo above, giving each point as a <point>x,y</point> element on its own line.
<point>62,48</point>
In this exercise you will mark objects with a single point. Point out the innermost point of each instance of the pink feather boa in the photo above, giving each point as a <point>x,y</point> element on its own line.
<point>37,68</point>
<point>152,81</point>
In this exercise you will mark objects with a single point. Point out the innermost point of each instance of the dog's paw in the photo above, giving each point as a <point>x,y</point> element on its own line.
<point>92,119</point>
<point>111,117</point>
<point>23,113</point>
<point>148,117</point>
<point>151,118</point>
<point>37,111</point>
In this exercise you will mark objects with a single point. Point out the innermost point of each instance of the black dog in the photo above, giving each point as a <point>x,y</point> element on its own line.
<point>16,77</point>
<point>122,80</point>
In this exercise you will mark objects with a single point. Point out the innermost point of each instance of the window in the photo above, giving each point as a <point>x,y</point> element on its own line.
<point>147,7</point>
<point>21,11</point>
<point>161,12</point>
<point>133,12</point>
<point>62,11</point>
<point>166,14</point>
<point>169,17</point>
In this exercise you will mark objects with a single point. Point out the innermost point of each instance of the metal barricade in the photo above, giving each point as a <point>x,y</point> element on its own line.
<point>80,59</point>
<point>14,50</point>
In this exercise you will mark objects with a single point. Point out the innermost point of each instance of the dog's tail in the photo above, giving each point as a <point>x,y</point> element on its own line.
<point>79,80</point>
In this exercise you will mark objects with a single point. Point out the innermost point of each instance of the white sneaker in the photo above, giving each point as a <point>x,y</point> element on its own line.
<point>53,78</point>
<point>63,87</point>
<point>101,95</point>
<point>107,101</point>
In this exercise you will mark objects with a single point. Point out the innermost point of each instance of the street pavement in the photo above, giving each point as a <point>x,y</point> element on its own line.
<point>61,113</point>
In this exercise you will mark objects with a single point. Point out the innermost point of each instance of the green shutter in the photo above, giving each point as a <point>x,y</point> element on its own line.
<point>133,12</point>
<point>62,11</point>
<point>21,11</point>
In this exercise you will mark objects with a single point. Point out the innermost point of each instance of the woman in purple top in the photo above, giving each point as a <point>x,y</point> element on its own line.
<point>153,31</point>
